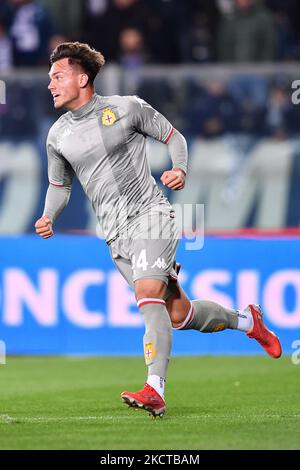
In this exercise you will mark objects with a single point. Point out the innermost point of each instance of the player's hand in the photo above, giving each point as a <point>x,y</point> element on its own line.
<point>43,227</point>
<point>174,179</point>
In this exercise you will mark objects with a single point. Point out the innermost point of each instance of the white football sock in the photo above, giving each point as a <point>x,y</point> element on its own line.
<point>245,320</point>
<point>158,383</point>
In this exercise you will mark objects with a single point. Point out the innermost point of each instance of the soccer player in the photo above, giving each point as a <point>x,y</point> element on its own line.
<point>102,140</point>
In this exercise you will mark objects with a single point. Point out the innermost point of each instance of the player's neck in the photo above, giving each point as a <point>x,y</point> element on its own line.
<point>81,101</point>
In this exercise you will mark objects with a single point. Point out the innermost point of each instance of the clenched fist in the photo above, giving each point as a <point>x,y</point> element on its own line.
<point>174,179</point>
<point>43,227</point>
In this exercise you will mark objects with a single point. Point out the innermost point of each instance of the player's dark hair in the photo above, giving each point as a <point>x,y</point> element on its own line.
<point>80,54</point>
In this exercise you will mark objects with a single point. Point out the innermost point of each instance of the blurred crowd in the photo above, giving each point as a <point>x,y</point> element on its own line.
<point>245,105</point>
<point>137,32</point>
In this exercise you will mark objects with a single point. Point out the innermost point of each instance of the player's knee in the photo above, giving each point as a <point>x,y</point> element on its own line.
<point>149,289</point>
<point>178,306</point>
<point>177,318</point>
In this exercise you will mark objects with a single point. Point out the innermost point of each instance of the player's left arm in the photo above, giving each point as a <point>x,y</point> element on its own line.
<point>152,123</point>
<point>177,146</point>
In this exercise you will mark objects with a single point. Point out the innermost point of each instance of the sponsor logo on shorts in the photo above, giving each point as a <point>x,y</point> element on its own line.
<point>159,263</point>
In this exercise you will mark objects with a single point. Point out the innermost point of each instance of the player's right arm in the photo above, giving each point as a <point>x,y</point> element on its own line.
<point>150,122</point>
<point>60,175</point>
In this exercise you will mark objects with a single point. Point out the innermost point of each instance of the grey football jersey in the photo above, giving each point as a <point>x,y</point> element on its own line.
<point>104,144</point>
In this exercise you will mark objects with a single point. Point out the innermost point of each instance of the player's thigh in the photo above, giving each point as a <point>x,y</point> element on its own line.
<point>119,252</point>
<point>153,247</point>
<point>124,267</point>
<point>177,303</point>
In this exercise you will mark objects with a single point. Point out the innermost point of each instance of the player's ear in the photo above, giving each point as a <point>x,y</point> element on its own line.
<point>83,80</point>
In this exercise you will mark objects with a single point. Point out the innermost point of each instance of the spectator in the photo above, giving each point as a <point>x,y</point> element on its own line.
<point>226,7</point>
<point>287,16</point>
<point>168,30</point>
<point>132,57</point>
<point>248,34</point>
<point>132,53</point>
<point>67,15</point>
<point>31,30</point>
<point>250,91</point>
<point>103,30</point>
<point>201,34</point>
<point>213,112</point>
<point>6,12</point>
<point>6,57</point>
<point>279,108</point>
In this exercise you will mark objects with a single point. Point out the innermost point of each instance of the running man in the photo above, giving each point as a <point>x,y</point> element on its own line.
<point>102,140</point>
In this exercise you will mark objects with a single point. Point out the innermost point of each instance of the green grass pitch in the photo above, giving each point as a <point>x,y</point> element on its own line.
<point>212,403</point>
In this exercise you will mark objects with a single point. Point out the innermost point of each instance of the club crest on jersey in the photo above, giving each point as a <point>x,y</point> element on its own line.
<point>108,117</point>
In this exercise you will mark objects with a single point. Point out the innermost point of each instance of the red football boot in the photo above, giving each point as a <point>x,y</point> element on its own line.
<point>266,338</point>
<point>147,399</point>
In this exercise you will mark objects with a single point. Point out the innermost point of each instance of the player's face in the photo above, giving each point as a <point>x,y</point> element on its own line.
<point>64,84</point>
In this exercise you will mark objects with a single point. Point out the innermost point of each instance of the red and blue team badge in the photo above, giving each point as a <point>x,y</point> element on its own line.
<point>149,351</point>
<point>108,117</point>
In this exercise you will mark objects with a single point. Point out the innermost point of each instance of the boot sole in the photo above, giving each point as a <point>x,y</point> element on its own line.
<point>137,404</point>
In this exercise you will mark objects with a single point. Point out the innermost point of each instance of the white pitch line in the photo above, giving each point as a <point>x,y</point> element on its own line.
<point>37,419</point>
<point>6,419</point>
